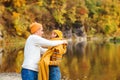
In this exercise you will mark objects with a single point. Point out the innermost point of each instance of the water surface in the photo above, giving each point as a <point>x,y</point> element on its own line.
<point>90,60</point>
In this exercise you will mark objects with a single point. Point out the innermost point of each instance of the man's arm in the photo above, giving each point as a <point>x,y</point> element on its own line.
<point>44,42</point>
<point>43,50</point>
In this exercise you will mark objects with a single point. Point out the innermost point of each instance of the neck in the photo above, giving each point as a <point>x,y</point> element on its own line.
<point>36,34</point>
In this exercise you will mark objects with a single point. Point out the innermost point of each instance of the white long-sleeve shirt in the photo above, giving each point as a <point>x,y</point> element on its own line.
<point>33,50</point>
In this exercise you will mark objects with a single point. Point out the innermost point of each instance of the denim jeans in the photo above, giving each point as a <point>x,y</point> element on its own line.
<point>29,74</point>
<point>54,73</point>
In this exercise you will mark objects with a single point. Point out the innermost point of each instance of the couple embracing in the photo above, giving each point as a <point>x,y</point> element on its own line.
<point>42,56</point>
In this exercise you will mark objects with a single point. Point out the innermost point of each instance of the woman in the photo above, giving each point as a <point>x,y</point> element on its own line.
<point>49,63</point>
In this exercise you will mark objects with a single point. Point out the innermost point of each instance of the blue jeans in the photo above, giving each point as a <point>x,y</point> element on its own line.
<point>29,74</point>
<point>54,73</point>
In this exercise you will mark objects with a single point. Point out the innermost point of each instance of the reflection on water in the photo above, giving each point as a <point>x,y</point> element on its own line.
<point>92,61</point>
<point>83,60</point>
<point>9,54</point>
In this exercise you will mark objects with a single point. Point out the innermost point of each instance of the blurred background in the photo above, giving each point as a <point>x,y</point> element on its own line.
<point>92,28</point>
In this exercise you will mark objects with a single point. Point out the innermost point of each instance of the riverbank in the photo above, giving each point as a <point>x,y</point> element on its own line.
<point>10,76</point>
<point>15,76</point>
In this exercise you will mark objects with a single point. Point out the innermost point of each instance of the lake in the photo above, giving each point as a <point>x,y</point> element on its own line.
<point>91,60</point>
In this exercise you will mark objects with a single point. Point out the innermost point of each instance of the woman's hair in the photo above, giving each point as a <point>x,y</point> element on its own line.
<point>59,34</point>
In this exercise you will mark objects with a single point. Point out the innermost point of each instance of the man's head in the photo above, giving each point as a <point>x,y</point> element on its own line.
<point>36,28</point>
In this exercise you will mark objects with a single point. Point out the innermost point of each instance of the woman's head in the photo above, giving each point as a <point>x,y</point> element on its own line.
<point>36,28</point>
<point>57,34</point>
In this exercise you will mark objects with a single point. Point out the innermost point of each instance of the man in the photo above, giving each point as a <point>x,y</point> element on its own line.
<point>33,50</point>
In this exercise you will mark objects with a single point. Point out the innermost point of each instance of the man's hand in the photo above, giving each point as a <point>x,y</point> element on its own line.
<point>65,42</point>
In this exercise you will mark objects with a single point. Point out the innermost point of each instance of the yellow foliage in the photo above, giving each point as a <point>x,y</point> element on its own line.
<point>53,1</point>
<point>20,29</point>
<point>2,8</point>
<point>26,34</point>
<point>5,0</point>
<point>15,15</point>
<point>19,60</point>
<point>72,14</point>
<point>19,24</point>
<point>40,3</point>
<point>58,13</point>
<point>117,33</point>
<point>19,3</point>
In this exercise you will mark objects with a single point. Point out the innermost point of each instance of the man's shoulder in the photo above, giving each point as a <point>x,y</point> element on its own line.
<point>33,35</point>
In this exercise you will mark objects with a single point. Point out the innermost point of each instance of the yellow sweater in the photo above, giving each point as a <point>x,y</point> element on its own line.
<point>52,57</point>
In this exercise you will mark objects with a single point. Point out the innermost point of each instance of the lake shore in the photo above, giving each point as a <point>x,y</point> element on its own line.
<point>10,76</point>
<point>14,76</point>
